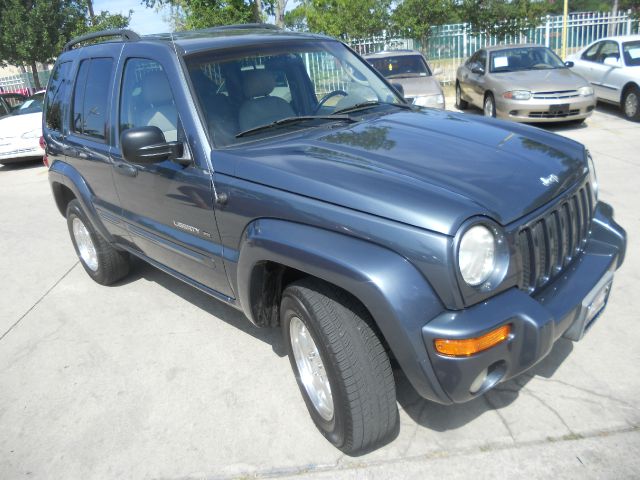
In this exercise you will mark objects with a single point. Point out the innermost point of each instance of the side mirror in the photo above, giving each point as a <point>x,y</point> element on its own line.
<point>568,64</point>
<point>611,61</point>
<point>399,88</point>
<point>147,145</point>
<point>477,68</point>
<point>438,71</point>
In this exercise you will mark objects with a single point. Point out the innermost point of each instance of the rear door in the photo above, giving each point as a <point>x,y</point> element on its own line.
<point>168,207</point>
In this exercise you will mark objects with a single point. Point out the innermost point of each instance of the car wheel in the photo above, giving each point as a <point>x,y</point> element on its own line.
<point>631,104</point>
<point>489,106</point>
<point>341,367</point>
<point>460,103</point>
<point>100,259</point>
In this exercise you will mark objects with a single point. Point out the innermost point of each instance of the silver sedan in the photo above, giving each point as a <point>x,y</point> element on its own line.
<point>524,83</point>
<point>612,65</point>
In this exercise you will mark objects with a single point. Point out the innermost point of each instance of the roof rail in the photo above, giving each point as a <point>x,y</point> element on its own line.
<point>243,26</point>
<point>125,35</point>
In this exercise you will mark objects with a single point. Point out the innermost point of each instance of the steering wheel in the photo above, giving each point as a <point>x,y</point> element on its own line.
<point>329,95</point>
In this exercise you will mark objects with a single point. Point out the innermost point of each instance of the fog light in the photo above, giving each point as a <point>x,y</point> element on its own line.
<point>469,346</point>
<point>479,381</point>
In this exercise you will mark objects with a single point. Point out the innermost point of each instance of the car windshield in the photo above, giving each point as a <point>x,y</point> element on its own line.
<point>401,66</point>
<point>31,105</point>
<point>631,53</point>
<point>246,93</point>
<point>524,58</point>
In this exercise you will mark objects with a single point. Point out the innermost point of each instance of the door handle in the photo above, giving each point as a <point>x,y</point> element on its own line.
<point>125,169</point>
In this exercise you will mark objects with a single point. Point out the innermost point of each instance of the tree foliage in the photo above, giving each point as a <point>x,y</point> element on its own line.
<point>500,17</point>
<point>414,18</point>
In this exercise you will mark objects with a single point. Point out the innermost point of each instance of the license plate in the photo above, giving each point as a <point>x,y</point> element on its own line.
<point>562,109</point>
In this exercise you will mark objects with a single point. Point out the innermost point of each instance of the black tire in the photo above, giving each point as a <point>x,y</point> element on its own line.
<point>460,103</point>
<point>631,104</point>
<point>365,414</point>
<point>489,98</point>
<point>112,264</point>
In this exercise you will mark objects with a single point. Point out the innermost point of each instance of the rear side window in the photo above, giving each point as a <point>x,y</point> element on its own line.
<point>90,98</point>
<point>56,92</point>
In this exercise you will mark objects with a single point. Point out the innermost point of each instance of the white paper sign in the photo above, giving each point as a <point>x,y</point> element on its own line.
<point>499,62</point>
<point>634,53</point>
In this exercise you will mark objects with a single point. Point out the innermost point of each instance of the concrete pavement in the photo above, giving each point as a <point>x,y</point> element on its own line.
<point>153,379</point>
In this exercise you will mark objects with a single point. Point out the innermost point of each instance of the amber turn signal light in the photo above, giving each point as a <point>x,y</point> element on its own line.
<point>469,346</point>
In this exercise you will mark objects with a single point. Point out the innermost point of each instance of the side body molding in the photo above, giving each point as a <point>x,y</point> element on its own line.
<point>398,297</point>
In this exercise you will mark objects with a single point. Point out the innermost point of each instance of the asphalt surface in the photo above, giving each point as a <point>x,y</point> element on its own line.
<point>152,379</point>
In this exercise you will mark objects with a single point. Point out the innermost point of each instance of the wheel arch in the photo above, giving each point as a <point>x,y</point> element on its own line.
<point>629,85</point>
<point>399,299</point>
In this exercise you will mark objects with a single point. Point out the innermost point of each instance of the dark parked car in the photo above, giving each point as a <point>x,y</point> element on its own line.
<point>365,228</point>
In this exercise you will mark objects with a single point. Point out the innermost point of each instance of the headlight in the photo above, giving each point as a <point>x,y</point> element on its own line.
<point>477,255</point>
<point>32,134</point>
<point>585,91</point>
<point>429,100</point>
<point>518,95</point>
<point>593,180</point>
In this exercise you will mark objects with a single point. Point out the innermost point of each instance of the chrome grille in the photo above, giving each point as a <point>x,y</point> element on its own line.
<point>555,95</point>
<point>548,244</point>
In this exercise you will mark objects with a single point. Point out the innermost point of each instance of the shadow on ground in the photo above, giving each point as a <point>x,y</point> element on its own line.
<point>21,165</point>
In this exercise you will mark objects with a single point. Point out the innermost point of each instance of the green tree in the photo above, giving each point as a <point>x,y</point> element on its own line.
<point>501,17</point>
<point>34,31</point>
<point>414,18</point>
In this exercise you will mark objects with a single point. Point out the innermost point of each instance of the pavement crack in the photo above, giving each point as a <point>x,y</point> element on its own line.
<point>39,300</point>
<point>500,416</point>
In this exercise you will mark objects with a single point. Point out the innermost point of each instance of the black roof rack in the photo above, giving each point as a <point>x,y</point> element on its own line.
<point>125,35</point>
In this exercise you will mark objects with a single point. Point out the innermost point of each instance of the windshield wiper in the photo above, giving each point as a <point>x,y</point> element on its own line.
<point>292,120</point>
<point>369,104</point>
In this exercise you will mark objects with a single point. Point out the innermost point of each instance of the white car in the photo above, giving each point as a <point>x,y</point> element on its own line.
<point>20,132</point>
<point>612,65</point>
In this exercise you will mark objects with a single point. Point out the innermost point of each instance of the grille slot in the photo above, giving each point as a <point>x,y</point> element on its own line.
<point>555,95</point>
<point>554,115</point>
<point>550,242</point>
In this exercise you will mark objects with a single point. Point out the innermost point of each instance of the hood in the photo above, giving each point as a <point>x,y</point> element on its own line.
<point>430,169</point>
<point>539,80</point>
<point>16,125</point>
<point>418,86</point>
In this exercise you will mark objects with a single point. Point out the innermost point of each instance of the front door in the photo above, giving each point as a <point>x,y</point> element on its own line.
<point>167,207</point>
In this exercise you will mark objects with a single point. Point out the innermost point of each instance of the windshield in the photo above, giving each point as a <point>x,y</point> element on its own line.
<point>240,90</point>
<point>31,105</point>
<point>631,53</point>
<point>401,66</point>
<point>525,58</point>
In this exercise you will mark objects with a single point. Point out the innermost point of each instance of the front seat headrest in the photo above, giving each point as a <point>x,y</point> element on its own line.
<point>258,83</point>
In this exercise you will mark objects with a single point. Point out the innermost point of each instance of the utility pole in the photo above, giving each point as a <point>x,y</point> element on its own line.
<point>92,16</point>
<point>565,15</point>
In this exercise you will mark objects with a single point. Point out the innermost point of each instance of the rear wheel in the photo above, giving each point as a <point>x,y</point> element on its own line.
<point>341,367</point>
<point>631,104</point>
<point>460,103</point>
<point>100,259</point>
<point>489,105</point>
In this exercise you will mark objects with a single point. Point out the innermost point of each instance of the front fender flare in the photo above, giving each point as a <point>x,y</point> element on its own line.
<point>397,296</point>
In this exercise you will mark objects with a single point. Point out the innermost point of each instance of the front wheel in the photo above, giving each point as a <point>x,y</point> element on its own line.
<point>489,106</point>
<point>460,103</point>
<point>631,104</point>
<point>341,367</point>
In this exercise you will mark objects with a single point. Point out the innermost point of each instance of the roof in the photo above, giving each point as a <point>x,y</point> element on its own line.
<point>206,39</point>
<point>620,38</point>
<point>392,53</point>
<point>493,48</point>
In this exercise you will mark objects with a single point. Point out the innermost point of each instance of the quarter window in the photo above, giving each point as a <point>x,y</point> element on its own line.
<point>54,99</point>
<point>90,102</point>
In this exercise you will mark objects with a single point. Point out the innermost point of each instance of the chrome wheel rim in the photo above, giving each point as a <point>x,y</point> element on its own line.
<point>488,107</point>
<point>86,249</point>
<point>311,369</point>
<point>631,105</point>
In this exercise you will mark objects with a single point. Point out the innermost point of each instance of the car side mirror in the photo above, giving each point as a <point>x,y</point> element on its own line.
<point>611,61</point>
<point>438,71</point>
<point>477,68</point>
<point>147,145</point>
<point>568,64</point>
<point>399,88</point>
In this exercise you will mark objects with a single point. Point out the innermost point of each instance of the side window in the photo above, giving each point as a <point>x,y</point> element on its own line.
<point>53,103</point>
<point>590,54</point>
<point>609,50</point>
<point>4,110</point>
<point>146,98</point>
<point>482,58</point>
<point>472,58</point>
<point>91,95</point>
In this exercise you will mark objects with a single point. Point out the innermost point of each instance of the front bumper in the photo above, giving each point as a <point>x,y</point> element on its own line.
<point>16,149</point>
<point>537,321</point>
<point>538,111</point>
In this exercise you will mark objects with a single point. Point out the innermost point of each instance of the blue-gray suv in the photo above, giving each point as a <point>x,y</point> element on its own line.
<point>282,175</point>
